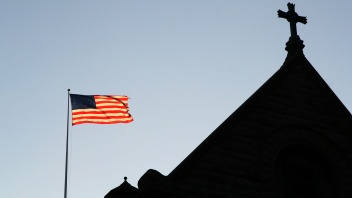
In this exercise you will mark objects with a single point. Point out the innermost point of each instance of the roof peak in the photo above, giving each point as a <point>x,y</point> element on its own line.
<point>125,190</point>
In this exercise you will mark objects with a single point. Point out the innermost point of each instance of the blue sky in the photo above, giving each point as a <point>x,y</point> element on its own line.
<point>186,65</point>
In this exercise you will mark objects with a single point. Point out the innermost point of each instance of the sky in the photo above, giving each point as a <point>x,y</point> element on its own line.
<point>186,66</point>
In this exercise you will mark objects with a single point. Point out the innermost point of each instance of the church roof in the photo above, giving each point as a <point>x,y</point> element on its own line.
<point>295,58</point>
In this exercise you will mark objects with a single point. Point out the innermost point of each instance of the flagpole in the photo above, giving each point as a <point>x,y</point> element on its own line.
<point>68,115</point>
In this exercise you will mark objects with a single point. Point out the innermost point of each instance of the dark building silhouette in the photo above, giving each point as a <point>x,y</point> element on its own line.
<point>292,139</point>
<point>125,190</point>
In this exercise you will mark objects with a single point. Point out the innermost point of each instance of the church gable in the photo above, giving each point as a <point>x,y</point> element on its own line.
<point>295,106</point>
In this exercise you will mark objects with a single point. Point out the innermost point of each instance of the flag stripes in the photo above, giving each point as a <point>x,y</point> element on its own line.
<point>99,109</point>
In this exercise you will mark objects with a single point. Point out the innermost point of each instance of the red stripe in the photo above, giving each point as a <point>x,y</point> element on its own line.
<point>92,122</point>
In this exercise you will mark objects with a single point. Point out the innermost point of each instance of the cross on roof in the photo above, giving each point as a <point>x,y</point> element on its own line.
<point>292,17</point>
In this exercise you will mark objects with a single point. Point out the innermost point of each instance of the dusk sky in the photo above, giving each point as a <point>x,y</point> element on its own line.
<point>186,66</point>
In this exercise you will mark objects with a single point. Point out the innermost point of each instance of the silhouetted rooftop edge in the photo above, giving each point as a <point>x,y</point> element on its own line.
<point>124,190</point>
<point>296,60</point>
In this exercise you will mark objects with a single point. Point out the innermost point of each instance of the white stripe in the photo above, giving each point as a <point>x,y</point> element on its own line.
<point>99,110</point>
<point>110,104</point>
<point>112,109</point>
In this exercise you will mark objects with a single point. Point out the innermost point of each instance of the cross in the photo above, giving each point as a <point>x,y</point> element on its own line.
<point>292,17</point>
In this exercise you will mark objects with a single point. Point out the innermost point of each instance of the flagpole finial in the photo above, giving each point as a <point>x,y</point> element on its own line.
<point>68,90</point>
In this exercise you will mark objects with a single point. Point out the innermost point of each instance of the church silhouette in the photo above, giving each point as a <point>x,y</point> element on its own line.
<point>292,139</point>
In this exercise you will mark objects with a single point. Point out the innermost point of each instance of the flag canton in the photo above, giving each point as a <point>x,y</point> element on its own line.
<point>82,102</point>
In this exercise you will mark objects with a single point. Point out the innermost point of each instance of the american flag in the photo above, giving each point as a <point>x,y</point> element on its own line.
<point>99,109</point>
